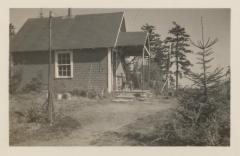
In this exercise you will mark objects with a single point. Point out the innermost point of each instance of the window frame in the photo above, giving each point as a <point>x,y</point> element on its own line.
<point>57,65</point>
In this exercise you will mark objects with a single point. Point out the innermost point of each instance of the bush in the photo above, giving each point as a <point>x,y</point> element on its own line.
<point>202,123</point>
<point>34,85</point>
<point>92,94</point>
<point>36,113</point>
<point>77,92</point>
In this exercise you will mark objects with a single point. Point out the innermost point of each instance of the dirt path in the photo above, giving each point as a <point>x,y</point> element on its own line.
<point>102,117</point>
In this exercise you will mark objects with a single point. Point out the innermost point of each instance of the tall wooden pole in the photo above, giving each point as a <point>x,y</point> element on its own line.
<point>142,78</point>
<point>50,100</point>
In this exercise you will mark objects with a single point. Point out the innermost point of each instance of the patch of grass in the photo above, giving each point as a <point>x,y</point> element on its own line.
<point>31,123</point>
<point>25,132</point>
<point>66,122</point>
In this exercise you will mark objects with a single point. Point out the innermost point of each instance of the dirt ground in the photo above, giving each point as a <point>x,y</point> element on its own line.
<point>100,120</point>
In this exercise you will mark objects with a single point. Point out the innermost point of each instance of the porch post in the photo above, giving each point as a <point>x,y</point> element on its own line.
<point>116,65</point>
<point>149,61</point>
<point>109,70</point>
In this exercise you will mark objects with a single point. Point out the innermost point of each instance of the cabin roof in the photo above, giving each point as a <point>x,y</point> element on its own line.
<point>132,38</point>
<point>77,32</point>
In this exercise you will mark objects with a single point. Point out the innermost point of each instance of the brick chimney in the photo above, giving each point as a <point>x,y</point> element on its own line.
<point>69,12</point>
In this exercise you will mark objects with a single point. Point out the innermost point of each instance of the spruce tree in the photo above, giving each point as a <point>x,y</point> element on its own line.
<point>205,80</point>
<point>157,49</point>
<point>206,103</point>
<point>180,42</point>
<point>154,38</point>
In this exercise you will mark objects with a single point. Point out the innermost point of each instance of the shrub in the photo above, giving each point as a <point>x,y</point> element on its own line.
<point>64,96</point>
<point>77,92</point>
<point>36,113</point>
<point>92,94</point>
<point>200,122</point>
<point>34,85</point>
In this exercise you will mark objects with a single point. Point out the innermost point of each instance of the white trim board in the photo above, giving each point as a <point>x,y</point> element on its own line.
<point>109,64</point>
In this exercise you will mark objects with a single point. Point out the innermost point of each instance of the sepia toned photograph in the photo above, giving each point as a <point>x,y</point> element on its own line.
<point>119,77</point>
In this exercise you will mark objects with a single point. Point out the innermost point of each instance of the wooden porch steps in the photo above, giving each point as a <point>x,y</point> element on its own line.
<point>128,96</point>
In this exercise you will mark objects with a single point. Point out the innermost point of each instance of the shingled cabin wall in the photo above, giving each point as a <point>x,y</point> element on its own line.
<point>35,64</point>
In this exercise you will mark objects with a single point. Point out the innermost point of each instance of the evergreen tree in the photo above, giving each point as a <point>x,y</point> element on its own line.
<point>163,58</point>
<point>207,81</point>
<point>202,107</point>
<point>154,38</point>
<point>180,42</point>
<point>154,42</point>
<point>11,36</point>
<point>11,30</point>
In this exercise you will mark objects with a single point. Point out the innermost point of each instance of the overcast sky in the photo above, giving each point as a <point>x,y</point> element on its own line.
<point>216,24</point>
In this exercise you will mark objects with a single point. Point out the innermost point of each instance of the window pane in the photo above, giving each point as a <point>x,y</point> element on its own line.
<point>60,73</point>
<point>68,70</point>
<point>68,67</point>
<point>64,73</point>
<point>59,59</point>
<point>68,59</point>
<point>64,59</point>
<point>69,73</point>
<point>60,67</point>
<point>64,67</point>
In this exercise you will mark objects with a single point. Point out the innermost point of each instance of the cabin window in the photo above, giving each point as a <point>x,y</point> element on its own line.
<point>63,64</point>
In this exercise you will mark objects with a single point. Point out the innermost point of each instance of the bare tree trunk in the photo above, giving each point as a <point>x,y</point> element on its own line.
<point>177,65</point>
<point>204,78</point>
<point>204,65</point>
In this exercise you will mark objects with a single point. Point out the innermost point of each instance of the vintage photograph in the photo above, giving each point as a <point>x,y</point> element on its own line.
<point>119,77</point>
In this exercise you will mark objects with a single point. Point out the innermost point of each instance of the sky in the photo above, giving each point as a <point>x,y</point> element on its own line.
<point>216,25</point>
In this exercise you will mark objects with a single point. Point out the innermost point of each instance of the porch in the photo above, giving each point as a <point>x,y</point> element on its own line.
<point>132,52</point>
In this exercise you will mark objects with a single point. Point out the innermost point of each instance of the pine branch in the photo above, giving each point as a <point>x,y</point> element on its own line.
<point>211,43</point>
